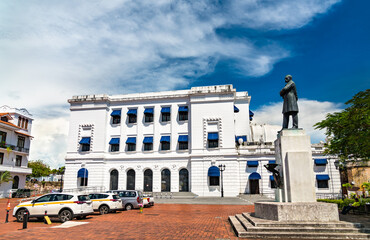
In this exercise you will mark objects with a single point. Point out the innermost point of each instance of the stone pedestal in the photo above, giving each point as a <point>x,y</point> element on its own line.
<point>294,159</point>
<point>297,212</point>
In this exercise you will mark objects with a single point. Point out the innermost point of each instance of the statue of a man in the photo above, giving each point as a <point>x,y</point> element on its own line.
<point>290,107</point>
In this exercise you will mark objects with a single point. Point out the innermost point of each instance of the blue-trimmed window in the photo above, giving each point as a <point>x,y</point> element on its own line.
<point>148,143</point>
<point>85,144</point>
<point>322,180</point>
<point>148,115</point>
<point>165,143</point>
<point>114,145</point>
<point>116,116</point>
<point>131,144</point>
<point>183,113</point>
<point>183,142</point>
<point>166,114</point>
<point>213,140</point>
<point>132,115</point>
<point>214,176</point>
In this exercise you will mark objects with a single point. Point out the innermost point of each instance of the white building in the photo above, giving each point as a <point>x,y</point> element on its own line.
<point>174,142</point>
<point>15,140</point>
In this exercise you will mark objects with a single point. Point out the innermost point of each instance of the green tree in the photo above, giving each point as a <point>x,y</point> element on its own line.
<point>348,131</point>
<point>39,168</point>
<point>5,177</point>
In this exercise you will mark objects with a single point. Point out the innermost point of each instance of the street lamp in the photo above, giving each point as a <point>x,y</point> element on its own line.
<point>222,168</point>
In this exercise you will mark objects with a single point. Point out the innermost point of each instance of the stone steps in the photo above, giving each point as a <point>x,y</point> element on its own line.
<point>246,226</point>
<point>169,195</point>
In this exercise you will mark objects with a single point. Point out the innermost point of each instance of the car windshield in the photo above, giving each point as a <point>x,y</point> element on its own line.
<point>83,198</point>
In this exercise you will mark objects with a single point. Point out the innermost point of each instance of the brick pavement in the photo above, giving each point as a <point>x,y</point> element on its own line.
<point>163,221</point>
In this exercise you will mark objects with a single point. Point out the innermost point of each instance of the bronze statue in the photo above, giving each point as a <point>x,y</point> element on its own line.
<point>290,107</point>
<point>277,178</point>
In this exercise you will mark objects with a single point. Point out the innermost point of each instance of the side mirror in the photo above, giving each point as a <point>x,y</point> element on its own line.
<point>33,201</point>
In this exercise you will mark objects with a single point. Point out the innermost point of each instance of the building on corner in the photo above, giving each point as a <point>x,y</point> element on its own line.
<point>174,141</point>
<point>15,141</point>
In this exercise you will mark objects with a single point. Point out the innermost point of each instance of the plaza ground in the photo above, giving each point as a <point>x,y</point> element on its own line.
<point>163,221</point>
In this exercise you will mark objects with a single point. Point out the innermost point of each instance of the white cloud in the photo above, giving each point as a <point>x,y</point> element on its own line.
<point>51,50</point>
<point>50,142</point>
<point>310,112</point>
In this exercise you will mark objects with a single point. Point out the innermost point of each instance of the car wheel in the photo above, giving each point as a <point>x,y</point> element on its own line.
<point>20,215</point>
<point>65,215</point>
<point>128,207</point>
<point>104,210</point>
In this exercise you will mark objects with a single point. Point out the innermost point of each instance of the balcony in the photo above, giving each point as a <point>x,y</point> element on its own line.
<point>14,148</point>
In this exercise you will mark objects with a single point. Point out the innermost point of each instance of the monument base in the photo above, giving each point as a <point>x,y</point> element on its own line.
<point>297,212</point>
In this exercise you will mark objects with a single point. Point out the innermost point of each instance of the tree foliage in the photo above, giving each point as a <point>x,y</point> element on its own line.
<point>348,131</point>
<point>39,168</point>
<point>5,177</point>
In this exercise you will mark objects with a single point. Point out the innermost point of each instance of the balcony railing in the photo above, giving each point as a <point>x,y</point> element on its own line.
<point>22,149</point>
<point>14,148</point>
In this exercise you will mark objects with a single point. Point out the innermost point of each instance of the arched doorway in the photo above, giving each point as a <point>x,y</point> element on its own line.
<point>184,180</point>
<point>165,180</point>
<point>130,180</point>
<point>15,182</point>
<point>113,180</point>
<point>254,185</point>
<point>148,180</point>
<point>82,177</point>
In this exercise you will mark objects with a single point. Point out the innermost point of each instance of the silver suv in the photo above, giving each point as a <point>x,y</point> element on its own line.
<point>130,198</point>
<point>66,206</point>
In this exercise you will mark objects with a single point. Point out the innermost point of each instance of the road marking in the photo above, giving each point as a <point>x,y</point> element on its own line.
<point>70,224</point>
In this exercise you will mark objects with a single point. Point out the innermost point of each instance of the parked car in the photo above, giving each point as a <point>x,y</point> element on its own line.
<point>62,205</point>
<point>130,198</point>
<point>106,202</point>
<point>148,200</point>
<point>21,193</point>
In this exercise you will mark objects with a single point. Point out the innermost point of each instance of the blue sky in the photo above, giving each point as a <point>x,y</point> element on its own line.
<point>52,50</point>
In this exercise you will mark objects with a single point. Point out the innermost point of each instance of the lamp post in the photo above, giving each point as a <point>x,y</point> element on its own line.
<point>222,168</point>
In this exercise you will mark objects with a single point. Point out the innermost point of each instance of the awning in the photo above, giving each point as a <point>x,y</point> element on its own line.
<point>131,140</point>
<point>183,109</point>
<point>322,177</point>
<point>114,141</point>
<point>322,161</point>
<point>116,113</point>
<point>83,173</point>
<point>183,138</point>
<point>149,111</point>
<point>166,110</point>
<point>85,140</point>
<point>272,162</point>
<point>166,139</point>
<point>255,176</point>
<point>148,140</point>
<point>242,137</point>
<point>236,110</point>
<point>213,171</point>
<point>132,112</point>
<point>23,134</point>
<point>213,136</point>
<point>271,177</point>
<point>252,163</point>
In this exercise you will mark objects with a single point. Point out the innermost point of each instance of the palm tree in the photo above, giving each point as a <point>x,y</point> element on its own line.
<point>5,177</point>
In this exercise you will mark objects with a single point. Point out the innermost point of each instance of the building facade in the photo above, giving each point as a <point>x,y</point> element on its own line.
<point>174,142</point>
<point>15,141</point>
